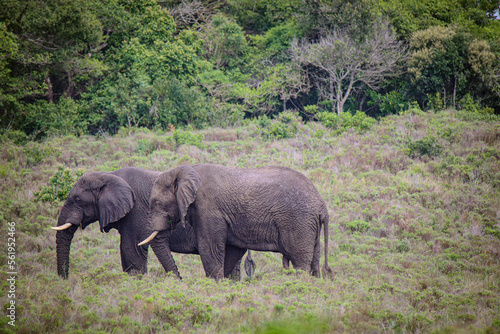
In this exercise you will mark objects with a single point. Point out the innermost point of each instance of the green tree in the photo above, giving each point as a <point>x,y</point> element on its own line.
<point>259,16</point>
<point>55,44</point>
<point>408,17</point>
<point>451,62</point>
<point>224,42</point>
<point>143,59</point>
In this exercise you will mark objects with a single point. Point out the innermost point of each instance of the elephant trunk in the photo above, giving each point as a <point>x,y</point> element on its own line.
<point>64,238</point>
<point>161,248</point>
<point>63,246</point>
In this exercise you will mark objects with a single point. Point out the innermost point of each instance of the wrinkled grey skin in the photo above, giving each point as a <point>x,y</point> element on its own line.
<point>265,209</point>
<point>119,200</point>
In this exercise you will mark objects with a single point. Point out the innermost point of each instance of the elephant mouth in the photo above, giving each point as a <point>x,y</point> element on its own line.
<point>148,239</point>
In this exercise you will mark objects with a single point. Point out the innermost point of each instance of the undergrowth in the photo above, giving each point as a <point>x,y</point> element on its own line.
<point>414,231</point>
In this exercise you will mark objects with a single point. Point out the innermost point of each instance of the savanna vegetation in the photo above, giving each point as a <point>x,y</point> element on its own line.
<point>414,232</point>
<point>390,107</point>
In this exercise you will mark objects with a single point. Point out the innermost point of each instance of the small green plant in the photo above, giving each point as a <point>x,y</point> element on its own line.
<point>347,248</point>
<point>357,225</point>
<point>311,109</point>
<point>16,136</point>
<point>468,104</point>
<point>403,246</point>
<point>413,109</point>
<point>36,152</point>
<point>59,186</point>
<point>187,138</point>
<point>435,101</point>
<point>285,126</point>
<point>340,123</point>
<point>427,146</point>
<point>145,147</point>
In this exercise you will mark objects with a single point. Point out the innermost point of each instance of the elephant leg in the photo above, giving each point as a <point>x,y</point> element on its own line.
<point>299,250</point>
<point>134,258</point>
<point>212,251</point>
<point>286,262</point>
<point>232,262</point>
<point>315,268</point>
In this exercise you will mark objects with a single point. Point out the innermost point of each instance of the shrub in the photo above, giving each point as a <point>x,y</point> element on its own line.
<point>36,152</point>
<point>340,123</point>
<point>472,111</point>
<point>145,146</point>
<point>403,246</point>
<point>427,146</point>
<point>59,186</point>
<point>285,126</point>
<point>390,103</point>
<point>468,104</point>
<point>16,136</point>
<point>188,138</point>
<point>357,225</point>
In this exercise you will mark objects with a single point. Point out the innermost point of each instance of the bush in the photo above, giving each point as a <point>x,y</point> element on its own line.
<point>59,186</point>
<point>340,123</point>
<point>188,138</point>
<point>145,146</point>
<point>36,152</point>
<point>15,136</point>
<point>285,126</point>
<point>427,146</point>
<point>357,226</point>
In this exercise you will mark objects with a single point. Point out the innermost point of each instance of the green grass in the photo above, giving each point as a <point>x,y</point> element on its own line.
<point>414,233</point>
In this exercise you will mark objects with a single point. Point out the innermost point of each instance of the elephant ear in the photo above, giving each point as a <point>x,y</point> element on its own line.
<point>188,181</point>
<point>116,199</point>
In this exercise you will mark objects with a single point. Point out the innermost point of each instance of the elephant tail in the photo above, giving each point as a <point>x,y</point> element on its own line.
<point>327,271</point>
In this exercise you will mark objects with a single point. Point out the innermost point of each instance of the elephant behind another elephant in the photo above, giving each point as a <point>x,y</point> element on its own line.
<point>120,200</point>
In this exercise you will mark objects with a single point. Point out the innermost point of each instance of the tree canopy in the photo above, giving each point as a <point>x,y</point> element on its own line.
<point>88,66</point>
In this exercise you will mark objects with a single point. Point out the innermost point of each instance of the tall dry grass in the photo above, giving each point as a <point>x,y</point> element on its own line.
<point>414,234</point>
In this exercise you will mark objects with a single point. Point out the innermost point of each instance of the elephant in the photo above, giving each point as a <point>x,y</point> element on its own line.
<point>120,200</point>
<point>269,208</point>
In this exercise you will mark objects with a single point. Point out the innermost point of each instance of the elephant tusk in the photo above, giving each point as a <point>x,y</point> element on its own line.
<point>151,237</point>
<point>62,227</point>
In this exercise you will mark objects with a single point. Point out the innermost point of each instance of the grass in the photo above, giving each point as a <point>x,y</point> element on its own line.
<point>414,233</point>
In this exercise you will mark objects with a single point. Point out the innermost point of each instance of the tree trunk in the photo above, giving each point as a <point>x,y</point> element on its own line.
<point>331,94</point>
<point>454,91</point>
<point>50,90</point>
<point>340,103</point>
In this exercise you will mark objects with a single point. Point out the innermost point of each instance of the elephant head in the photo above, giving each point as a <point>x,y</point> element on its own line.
<point>172,194</point>
<point>96,196</point>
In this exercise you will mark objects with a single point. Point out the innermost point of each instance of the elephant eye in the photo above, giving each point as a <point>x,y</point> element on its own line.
<point>77,199</point>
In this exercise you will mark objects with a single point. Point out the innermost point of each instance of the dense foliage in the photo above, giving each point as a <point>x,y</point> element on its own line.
<point>88,66</point>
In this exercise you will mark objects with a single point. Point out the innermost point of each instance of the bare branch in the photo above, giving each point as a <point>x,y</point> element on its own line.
<point>189,13</point>
<point>350,62</point>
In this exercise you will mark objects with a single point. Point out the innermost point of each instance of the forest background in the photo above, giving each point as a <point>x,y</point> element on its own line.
<point>89,67</point>
<point>391,108</point>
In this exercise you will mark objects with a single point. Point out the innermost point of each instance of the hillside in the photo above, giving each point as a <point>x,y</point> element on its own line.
<point>414,231</point>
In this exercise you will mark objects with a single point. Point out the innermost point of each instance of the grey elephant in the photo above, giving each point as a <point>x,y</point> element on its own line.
<point>265,209</point>
<point>120,200</point>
